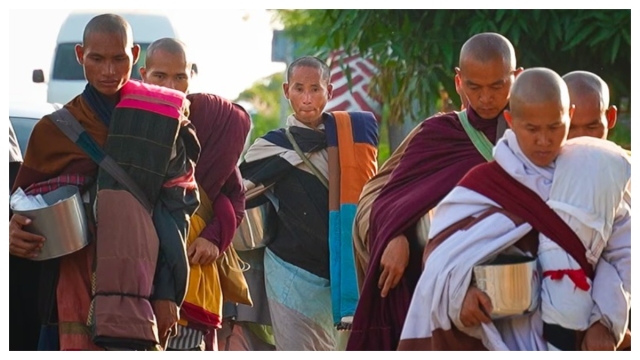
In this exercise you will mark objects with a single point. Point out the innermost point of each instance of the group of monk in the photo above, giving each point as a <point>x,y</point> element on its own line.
<point>421,217</point>
<point>353,257</point>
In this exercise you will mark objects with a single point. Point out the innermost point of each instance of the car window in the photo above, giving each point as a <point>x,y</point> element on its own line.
<point>23,128</point>
<point>66,67</point>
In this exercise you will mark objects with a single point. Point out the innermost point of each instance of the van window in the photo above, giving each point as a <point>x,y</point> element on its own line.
<point>66,67</point>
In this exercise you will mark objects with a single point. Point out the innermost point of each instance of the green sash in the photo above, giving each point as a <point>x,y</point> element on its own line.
<point>479,139</point>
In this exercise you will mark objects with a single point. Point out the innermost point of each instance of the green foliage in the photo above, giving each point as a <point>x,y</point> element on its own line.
<point>417,50</point>
<point>262,125</point>
<point>621,133</point>
<point>384,149</point>
<point>264,95</point>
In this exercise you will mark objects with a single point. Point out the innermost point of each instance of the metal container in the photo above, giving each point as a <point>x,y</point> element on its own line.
<point>250,233</point>
<point>512,282</point>
<point>63,223</point>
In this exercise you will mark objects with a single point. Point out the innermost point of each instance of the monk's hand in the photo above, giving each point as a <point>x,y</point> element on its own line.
<point>395,259</point>
<point>202,252</point>
<point>167,316</point>
<point>598,338</point>
<point>23,243</point>
<point>476,308</point>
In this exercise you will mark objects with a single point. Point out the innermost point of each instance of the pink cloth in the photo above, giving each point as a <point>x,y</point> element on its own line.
<point>157,99</point>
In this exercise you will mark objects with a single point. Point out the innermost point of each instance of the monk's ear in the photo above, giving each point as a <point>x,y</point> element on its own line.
<point>143,73</point>
<point>572,109</point>
<point>79,54</point>
<point>329,91</point>
<point>285,89</point>
<point>508,118</point>
<point>458,80</point>
<point>612,116</point>
<point>135,51</point>
<point>518,71</point>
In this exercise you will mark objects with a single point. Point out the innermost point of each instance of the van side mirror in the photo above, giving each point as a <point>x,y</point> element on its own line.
<point>37,76</point>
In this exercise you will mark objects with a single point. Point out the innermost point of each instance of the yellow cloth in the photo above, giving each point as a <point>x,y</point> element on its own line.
<point>203,290</point>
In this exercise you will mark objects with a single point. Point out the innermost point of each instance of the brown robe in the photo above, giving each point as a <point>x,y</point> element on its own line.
<point>50,154</point>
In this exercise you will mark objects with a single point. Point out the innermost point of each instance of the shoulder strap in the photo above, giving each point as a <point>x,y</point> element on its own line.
<point>479,139</point>
<point>68,124</point>
<point>306,160</point>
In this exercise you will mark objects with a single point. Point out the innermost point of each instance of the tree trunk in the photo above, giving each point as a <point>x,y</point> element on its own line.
<point>396,135</point>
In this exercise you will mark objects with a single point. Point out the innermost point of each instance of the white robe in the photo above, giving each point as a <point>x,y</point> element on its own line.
<point>588,189</point>
<point>447,274</point>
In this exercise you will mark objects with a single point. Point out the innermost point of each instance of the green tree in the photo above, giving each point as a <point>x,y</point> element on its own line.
<point>417,50</point>
<point>264,95</point>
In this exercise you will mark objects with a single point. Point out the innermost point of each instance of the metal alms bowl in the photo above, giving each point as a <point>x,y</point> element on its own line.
<point>63,223</point>
<point>511,282</point>
<point>250,233</point>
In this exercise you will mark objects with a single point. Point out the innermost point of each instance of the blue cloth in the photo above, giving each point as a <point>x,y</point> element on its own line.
<point>300,306</point>
<point>100,105</point>
<point>49,338</point>
<point>344,294</point>
<point>363,136</point>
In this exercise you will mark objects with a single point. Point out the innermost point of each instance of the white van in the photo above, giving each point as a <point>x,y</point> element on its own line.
<point>67,77</point>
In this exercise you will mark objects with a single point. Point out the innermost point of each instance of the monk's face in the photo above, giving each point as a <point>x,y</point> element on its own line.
<point>107,59</point>
<point>163,68</point>
<point>308,94</point>
<point>486,85</point>
<point>541,129</point>
<point>590,117</point>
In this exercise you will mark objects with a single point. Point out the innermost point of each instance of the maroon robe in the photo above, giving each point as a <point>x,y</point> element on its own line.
<point>438,156</point>
<point>222,128</point>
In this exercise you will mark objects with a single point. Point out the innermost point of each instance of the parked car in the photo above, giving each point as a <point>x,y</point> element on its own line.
<point>24,116</point>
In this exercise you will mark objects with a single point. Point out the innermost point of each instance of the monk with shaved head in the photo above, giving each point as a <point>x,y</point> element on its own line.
<point>439,153</point>
<point>590,94</point>
<point>486,70</point>
<point>107,41</point>
<point>540,114</point>
<point>222,128</point>
<point>167,64</point>
<point>562,203</point>
<point>122,291</point>
<point>593,117</point>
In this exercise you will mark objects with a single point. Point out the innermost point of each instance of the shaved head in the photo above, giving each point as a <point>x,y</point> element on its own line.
<point>538,86</point>
<point>590,95</point>
<point>108,24</point>
<point>167,45</point>
<point>584,84</point>
<point>167,64</point>
<point>539,114</point>
<point>486,47</point>
<point>107,53</point>
<point>486,72</point>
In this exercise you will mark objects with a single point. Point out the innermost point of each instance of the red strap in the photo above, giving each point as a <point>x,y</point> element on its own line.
<point>578,277</point>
